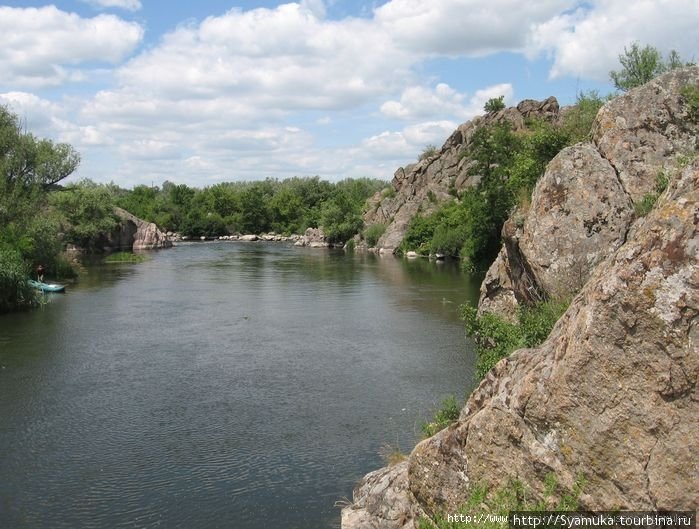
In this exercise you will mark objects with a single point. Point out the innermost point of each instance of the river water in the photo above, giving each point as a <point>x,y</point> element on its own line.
<point>222,385</point>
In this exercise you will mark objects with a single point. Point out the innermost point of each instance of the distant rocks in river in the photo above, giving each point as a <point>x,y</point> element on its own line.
<point>133,233</point>
<point>265,237</point>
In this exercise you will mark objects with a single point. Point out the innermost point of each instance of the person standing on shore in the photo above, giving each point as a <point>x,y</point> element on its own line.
<point>40,273</point>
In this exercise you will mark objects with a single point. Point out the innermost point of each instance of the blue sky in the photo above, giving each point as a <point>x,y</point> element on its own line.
<point>211,91</point>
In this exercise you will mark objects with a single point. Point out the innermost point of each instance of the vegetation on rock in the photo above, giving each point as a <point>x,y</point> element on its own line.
<point>496,338</point>
<point>447,413</point>
<point>494,104</point>
<point>507,164</point>
<point>485,510</point>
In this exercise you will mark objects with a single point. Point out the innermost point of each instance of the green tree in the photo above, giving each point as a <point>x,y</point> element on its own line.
<point>640,65</point>
<point>88,212</point>
<point>494,104</point>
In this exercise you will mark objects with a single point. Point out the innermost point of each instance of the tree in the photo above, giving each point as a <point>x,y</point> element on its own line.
<point>26,161</point>
<point>494,104</point>
<point>88,211</point>
<point>640,65</point>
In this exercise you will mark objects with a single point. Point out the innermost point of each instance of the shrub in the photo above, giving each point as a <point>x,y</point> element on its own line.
<point>428,152</point>
<point>373,233</point>
<point>443,417</point>
<point>646,204</point>
<point>691,96</point>
<point>577,122</point>
<point>497,338</point>
<point>15,293</point>
<point>125,257</point>
<point>494,104</point>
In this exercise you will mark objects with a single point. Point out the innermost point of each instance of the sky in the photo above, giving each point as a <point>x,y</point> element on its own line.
<point>212,91</point>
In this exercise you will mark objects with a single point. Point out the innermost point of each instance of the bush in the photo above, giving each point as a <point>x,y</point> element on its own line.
<point>443,417</point>
<point>691,96</point>
<point>648,201</point>
<point>494,104</point>
<point>428,152</point>
<point>373,233</point>
<point>577,122</point>
<point>15,293</point>
<point>497,338</point>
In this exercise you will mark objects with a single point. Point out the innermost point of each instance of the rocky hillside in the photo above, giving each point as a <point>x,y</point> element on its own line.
<point>612,393</point>
<point>420,187</point>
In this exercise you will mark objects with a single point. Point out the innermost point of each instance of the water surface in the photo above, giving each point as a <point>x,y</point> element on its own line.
<point>222,385</point>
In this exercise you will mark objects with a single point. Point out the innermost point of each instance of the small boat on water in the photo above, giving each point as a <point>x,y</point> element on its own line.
<point>46,287</point>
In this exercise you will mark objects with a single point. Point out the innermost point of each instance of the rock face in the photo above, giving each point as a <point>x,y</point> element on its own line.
<point>613,393</point>
<point>583,206</point>
<point>136,234</point>
<point>422,186</point>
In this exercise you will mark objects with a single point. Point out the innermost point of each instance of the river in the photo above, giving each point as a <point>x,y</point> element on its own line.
<point>222,385</point>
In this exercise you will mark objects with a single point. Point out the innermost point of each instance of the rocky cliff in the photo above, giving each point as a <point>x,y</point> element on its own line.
<point>422,186</point>
<point>133,233</point>
<point>613,392</point>
<point>582,208</point>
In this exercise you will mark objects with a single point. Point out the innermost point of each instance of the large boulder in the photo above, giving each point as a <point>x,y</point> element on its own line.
<point>133,233</point>
<point>641,132</point>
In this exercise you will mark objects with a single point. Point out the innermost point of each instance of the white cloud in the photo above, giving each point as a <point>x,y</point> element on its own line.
<point>419,102</point>
<point>43,46</point>
<point>586,43</point>
<point>409,142</point>
<point>227,97</point>
<point>464,27</point>
<point>129,5</point>
<point>283,58</point>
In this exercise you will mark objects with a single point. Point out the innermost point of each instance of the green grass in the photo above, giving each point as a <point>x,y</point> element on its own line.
<point>125,257</point>
<point>485,510</point>
<point>646,204</point>
<point>443,417</point>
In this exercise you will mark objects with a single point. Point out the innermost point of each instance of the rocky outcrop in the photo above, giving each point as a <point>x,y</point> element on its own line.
<point>423,186</point>
<point>133,233</point>
<point>583,206</point>
<point>613,393</point>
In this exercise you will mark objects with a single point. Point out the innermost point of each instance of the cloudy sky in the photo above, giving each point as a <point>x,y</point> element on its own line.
<point>210,91</point>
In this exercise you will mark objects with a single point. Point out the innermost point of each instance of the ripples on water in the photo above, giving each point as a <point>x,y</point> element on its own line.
<point>222,385</point>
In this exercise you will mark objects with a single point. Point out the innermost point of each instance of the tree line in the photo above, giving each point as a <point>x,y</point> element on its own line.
<point>282,206</point>
<point>39,216</point>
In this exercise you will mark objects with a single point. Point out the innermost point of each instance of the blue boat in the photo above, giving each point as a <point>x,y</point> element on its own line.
<point>46,287</point>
